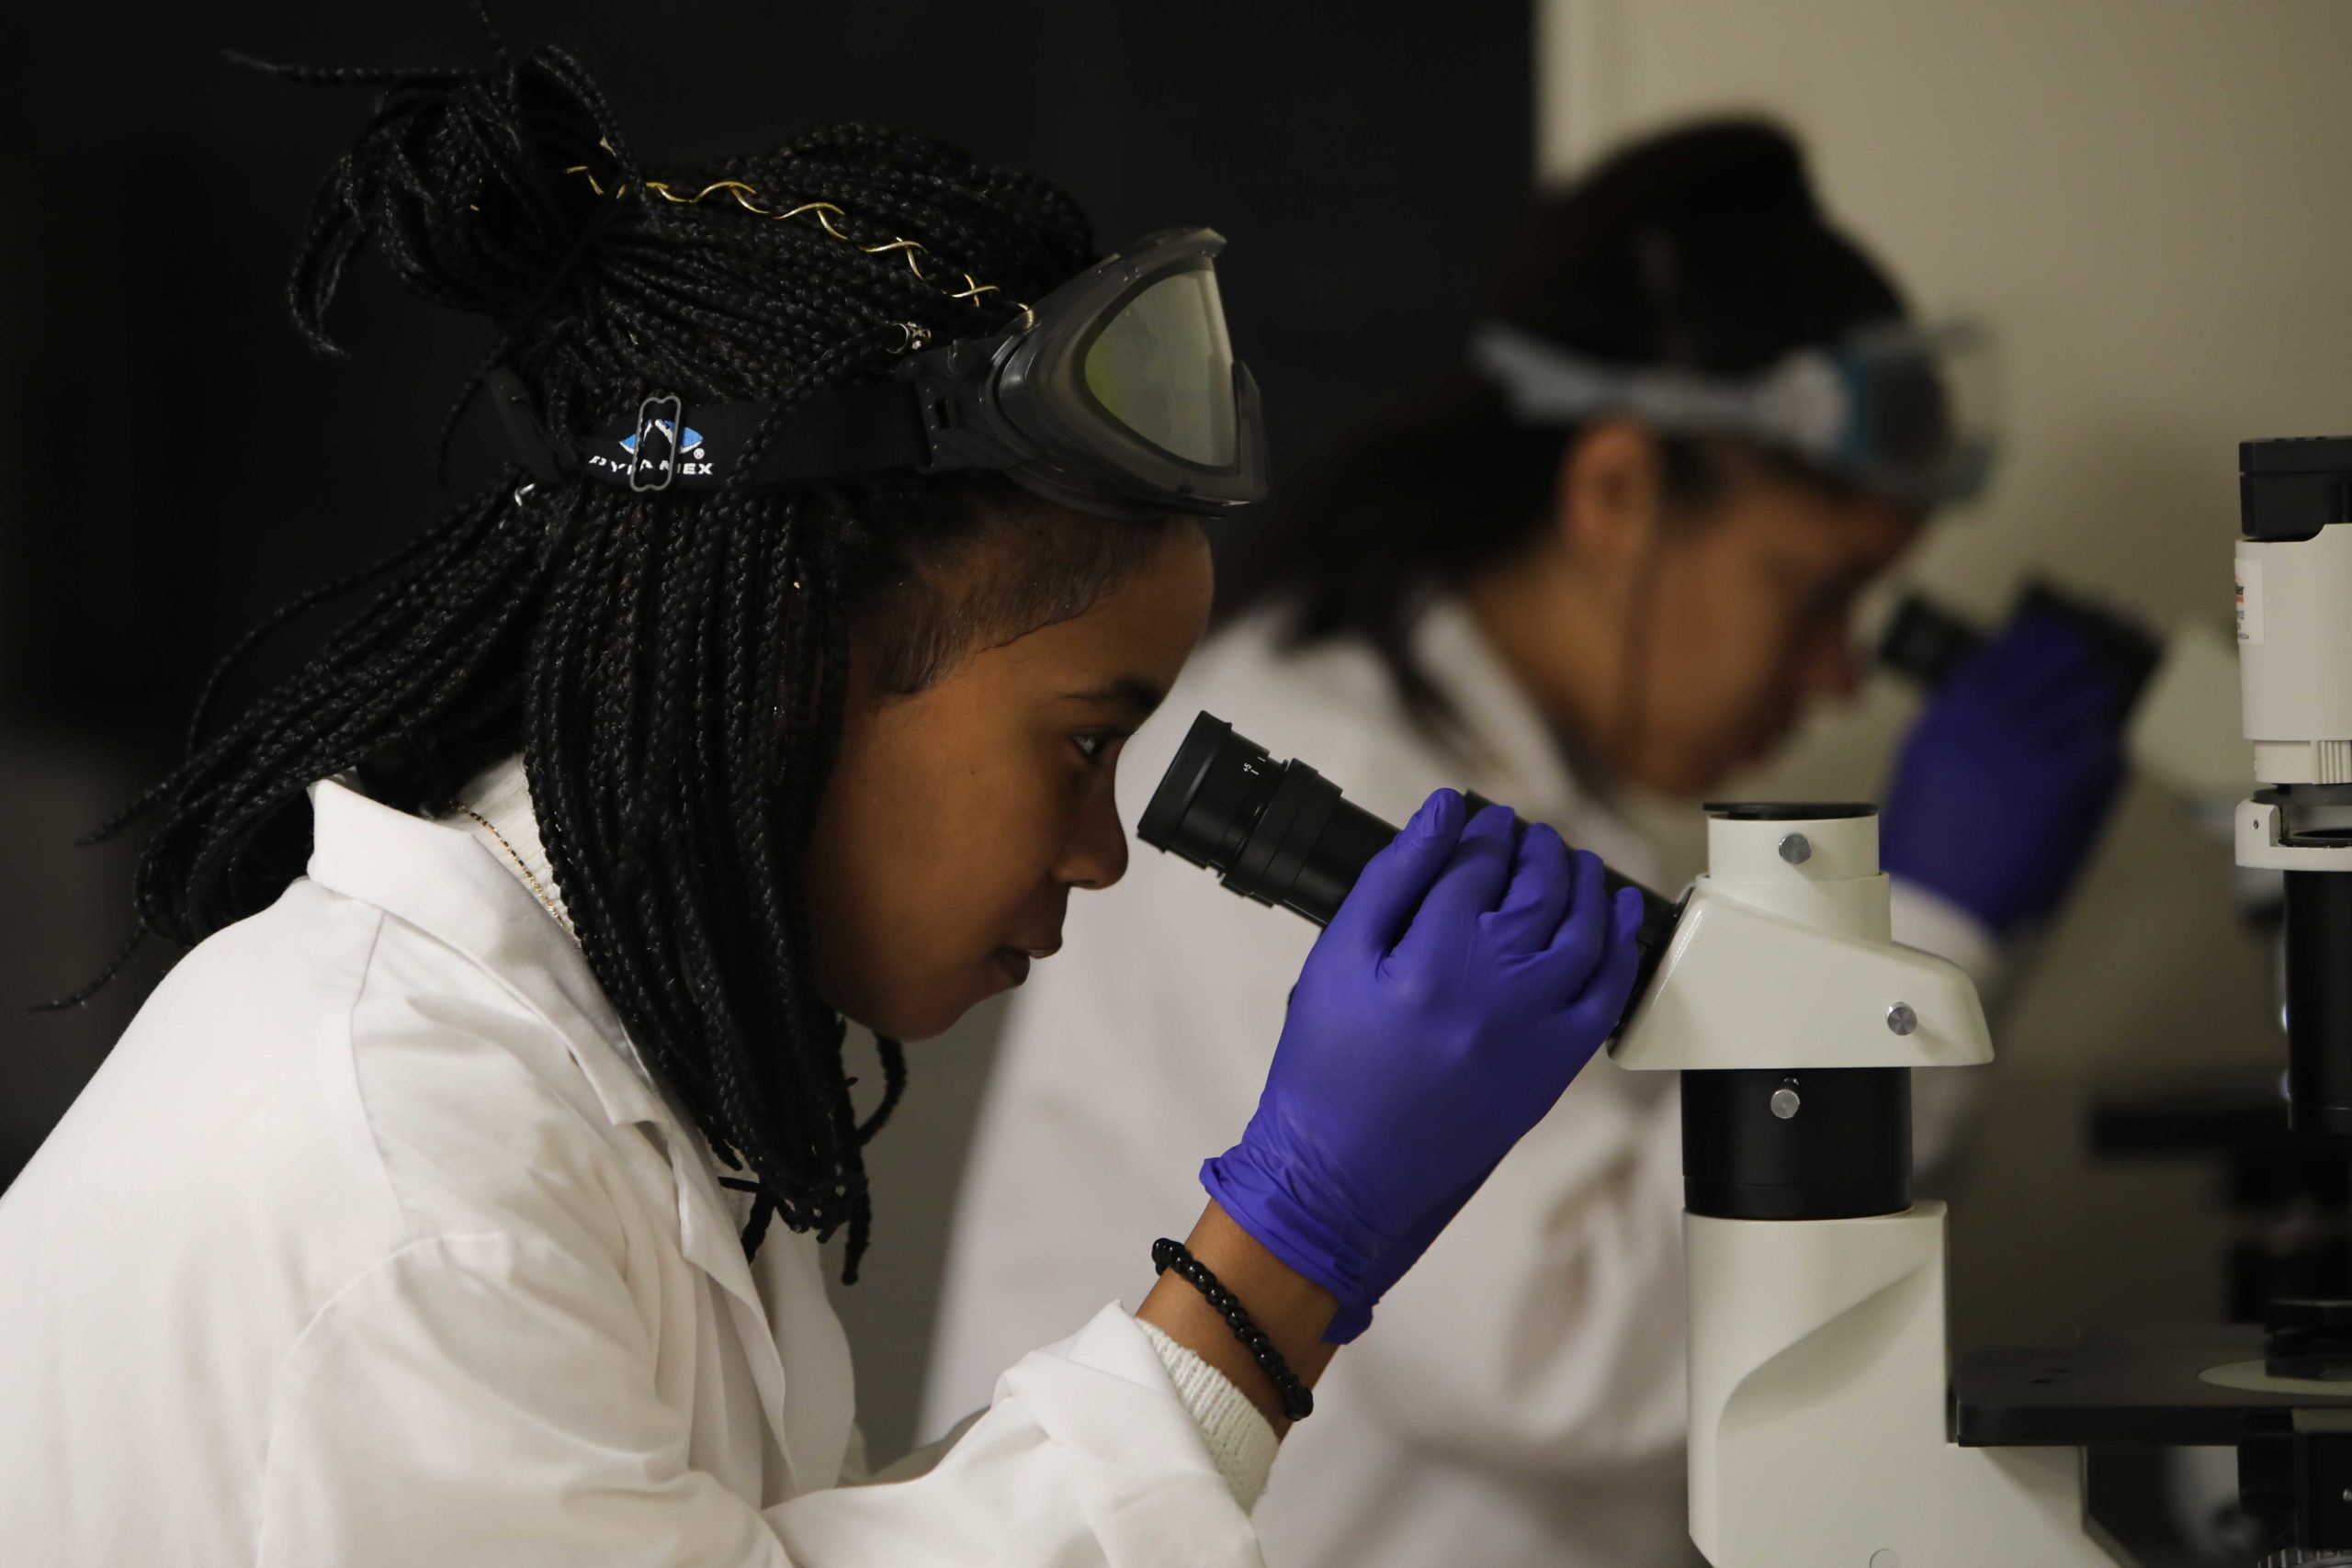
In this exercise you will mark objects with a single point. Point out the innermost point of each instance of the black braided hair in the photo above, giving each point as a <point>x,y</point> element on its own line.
<point>670,667</point>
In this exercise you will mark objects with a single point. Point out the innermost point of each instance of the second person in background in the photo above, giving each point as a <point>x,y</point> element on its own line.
<point>1609,552</point>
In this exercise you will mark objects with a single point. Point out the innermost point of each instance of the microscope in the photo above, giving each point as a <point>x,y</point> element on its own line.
<point>1830,1425</point>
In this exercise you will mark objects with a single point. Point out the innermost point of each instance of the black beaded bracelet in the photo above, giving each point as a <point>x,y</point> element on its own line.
<point>1298,1400</point>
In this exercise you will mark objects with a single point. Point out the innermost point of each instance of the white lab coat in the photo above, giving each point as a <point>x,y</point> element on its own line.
<point>371,1244</point>
<point>1519,1396</point>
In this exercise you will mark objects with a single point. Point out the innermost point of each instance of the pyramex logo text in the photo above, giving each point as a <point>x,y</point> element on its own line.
<point>694,462</point>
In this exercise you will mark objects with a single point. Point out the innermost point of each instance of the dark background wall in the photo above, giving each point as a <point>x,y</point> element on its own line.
<point>174,462</point>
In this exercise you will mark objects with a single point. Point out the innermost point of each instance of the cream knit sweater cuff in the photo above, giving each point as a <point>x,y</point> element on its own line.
<point>1241,1439</point>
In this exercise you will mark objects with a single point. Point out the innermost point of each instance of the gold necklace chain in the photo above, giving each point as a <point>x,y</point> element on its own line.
<point>531,880</point>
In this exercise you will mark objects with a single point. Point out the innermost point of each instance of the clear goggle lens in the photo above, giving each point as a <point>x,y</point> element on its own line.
<point>1163,367</point>
<point>1920,419</point>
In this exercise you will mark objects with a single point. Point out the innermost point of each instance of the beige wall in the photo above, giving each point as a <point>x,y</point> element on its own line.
<point>2151,200</point>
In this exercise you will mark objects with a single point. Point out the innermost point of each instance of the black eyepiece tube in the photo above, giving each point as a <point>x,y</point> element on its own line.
<point>1279,832</point>
<point>1929,643</point>
<point>1926,641</point>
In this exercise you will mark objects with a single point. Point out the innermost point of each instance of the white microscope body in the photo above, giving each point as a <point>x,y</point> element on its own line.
<point>1818,1361</point>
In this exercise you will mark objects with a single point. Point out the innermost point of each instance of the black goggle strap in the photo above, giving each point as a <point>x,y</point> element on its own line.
<point>844,434</point>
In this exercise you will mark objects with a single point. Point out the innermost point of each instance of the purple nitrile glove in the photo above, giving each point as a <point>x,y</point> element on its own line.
<point>2004,784</point>
<point>1469,975</point>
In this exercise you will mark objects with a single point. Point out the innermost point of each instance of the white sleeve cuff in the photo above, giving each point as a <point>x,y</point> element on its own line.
<point>1241,1439</point>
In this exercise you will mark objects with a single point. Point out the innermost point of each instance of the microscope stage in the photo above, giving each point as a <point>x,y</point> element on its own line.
<point>2146,1386</point>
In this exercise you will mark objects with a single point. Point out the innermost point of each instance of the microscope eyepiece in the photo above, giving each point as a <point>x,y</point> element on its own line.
<point>1281,833</point>
<point>1929,642</point>
<point>1278,833</point>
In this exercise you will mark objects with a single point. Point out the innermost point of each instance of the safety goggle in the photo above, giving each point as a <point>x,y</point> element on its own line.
<point>1117,394</point>
<point>1901,411</point>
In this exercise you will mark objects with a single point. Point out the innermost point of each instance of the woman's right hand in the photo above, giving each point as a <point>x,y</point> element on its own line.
<point>1473,971</point>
